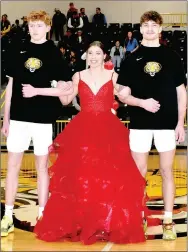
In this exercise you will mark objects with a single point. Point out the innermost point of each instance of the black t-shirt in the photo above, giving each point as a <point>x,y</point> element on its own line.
<point>153,72</point>
<point>37,65</point>
<point>117,52</point>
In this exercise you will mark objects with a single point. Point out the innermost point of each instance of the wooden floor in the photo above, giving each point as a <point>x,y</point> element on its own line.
<point>26,209</point>
<point>26,241</point>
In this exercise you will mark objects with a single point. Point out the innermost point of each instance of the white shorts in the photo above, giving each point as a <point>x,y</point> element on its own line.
<point>141,140</point>
<point>21,134</point>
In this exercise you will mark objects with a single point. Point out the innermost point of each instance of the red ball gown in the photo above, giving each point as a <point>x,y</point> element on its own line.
<point>96,189</point>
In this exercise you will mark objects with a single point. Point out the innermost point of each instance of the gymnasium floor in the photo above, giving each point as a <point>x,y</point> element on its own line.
<point>26,211</point>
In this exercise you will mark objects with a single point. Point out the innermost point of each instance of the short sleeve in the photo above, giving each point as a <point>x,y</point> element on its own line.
<point>10,61</point>
<point>136,42</point>
<point>178,71</point>
<point>125,74</point>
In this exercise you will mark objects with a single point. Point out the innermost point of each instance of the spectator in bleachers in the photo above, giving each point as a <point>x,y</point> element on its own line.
<point>99,18</point>
<point>73,65</point>
<point>75,22</point>
<point>68,39</point>
<point>24,26</point>
<point>16,24</point>
<point>71,10</point>
<point>16,29</point>
<point>5,25</point>
<point>72,54</point>
<point>131,44</point>
<point>80,40</point>
<point>84,18</point>
<point>62,48</point>
<point>161,40</point>
<point>58,22</point>
<point>117,54</point>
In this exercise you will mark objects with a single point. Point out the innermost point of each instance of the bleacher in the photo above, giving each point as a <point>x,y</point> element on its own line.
<point>107,34</point>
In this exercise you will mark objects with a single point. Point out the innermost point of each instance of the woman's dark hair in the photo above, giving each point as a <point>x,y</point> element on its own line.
<point>98,44</point>
<point>127,39</point>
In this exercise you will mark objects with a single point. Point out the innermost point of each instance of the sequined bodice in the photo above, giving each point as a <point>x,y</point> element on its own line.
<point>101,102</point>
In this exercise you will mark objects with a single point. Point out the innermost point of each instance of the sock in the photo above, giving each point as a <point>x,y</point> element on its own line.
<point>9,211</point>
<point>167,215</point>
<point>41,209</point>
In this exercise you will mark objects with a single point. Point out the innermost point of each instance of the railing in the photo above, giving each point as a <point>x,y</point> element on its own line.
<point>2,96</point>
<point>60,125</point>
<point>174,19</point>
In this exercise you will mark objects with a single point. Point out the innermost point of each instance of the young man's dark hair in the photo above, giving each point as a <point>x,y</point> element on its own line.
<point>151,15</point>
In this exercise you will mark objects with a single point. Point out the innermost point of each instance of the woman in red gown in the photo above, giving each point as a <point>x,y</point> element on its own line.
<point>96,189</point>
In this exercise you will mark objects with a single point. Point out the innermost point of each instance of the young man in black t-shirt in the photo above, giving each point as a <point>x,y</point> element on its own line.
<point>155,78</point>
<point>37,63</point>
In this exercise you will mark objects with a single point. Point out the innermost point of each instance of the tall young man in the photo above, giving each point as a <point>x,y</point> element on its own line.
<point>155,77</point>
<point>37,63</point>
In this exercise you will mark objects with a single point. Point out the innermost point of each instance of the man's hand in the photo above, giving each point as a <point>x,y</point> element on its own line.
<point>28,91</point>
<point>150,105</point>
<point>66,88</point>
<point>5,128</point>
<point>180,133</point>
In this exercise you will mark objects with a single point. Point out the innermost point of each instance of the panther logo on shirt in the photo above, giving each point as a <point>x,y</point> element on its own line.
<point>32,64</point>
<point>152,68</point>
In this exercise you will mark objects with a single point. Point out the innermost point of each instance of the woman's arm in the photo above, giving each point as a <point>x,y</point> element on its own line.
<point>65,100</point>
<point>112,52</point>
<point>120,91</point>
<point>121,52</point>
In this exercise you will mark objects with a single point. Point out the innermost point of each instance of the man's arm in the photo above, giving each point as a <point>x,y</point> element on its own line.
<point>124,92</point>
<point>124,95</point>
<point>150,104</point>
<point>81,23</point>
<point>69,23</point>
<point>61,90</point>
<point>8,96</point>
<point>105,21</point>
<point>182,102</point>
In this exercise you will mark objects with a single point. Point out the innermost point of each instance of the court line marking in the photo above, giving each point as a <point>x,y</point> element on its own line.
<point>108,246</point>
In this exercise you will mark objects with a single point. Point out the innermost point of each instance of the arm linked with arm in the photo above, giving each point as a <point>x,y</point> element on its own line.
<point>65,100</point>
